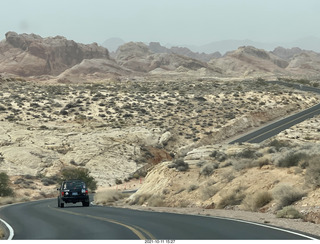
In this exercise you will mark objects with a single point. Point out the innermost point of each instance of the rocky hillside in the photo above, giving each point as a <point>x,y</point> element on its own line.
<point>32,55</point>
<point>116,128</point>
<point>61,60</point>
<point>183,51</point>
<point>138,57</point>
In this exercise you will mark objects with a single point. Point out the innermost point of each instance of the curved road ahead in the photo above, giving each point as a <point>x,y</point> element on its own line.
<point>276,127</point>
<point>44,220</point>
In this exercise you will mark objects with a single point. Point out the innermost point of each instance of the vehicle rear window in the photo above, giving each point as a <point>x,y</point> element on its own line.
<point>74,185</point>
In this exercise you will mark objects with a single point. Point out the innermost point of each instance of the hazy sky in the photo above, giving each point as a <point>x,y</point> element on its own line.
<point>194,22</point>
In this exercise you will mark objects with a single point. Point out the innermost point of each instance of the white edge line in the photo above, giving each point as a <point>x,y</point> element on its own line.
<point>237,220</point>
<point>266,226</point>
<point>11,231</point>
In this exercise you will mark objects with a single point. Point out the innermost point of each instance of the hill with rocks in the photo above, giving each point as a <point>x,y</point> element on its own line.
<point>32,55</point>
<point>61,60</point>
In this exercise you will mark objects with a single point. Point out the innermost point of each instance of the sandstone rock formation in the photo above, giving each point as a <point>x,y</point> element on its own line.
<point>30,55</point>
<point>250,61</point>
<point>183,51</point>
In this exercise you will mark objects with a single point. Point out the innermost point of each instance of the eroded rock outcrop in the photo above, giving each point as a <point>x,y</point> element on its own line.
<point>31,55</point>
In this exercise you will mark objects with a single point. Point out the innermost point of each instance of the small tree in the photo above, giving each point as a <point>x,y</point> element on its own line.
<point>83,174</point>
<point>5,190</point>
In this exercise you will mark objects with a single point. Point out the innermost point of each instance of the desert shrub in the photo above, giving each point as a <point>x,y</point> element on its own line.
<point>179,164</point>
<point>108,197</point>
<point>83,174</point>
<point>257,200</point>
<point>232,198</point>
<point>312,175</point>
<point>139,199</point>
<point>291,159</point>
<point>209,191</point>
<point>208,169</point>
<point>220,156</point>
<point>156,201</point>
<point>5,189</point>
<point>286,195</point>
<point>278,144</point>
<point>244,163</point>
<point>47,181</point>
<point>289,212</point>
<point>247,153</point>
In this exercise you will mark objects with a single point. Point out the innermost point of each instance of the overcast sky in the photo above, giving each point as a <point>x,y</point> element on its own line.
<point>193,22</point>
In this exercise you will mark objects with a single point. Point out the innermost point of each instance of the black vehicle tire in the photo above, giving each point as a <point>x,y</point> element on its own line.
<point>85,204</point>
<point>62,205</point>
<point>58,202</point>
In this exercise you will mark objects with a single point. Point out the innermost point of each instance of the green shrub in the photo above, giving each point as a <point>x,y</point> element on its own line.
<point>289,212</point>
<point>5,189</point>
<point>83,174</point>
<point>286,195</point>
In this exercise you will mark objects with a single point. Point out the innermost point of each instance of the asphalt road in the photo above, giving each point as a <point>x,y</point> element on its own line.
<point>44,220</point>
<point>276,127</point>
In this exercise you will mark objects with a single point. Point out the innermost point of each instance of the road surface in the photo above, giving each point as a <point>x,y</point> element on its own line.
<point>44,220</point>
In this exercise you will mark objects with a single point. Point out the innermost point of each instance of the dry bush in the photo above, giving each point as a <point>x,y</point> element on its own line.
<point>179,164</point>
<point>312,175</point>
<point>150,200</point>
<point>139,199</point>
<point>209,191</point>
<point>286,195</point>
<point>108,197</point>
<point>257,200</point>
<point>291,158</point>
<point>208,169</point>
<point>244,163</point>
<point>156,201</point>
<point>231,198</point>
<point>289,212</point>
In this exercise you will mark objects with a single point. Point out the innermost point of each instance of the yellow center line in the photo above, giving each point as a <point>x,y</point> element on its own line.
<point>281,125</point>
<point>133,229</point>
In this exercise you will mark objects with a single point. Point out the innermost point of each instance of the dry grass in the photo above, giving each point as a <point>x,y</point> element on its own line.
<point>257,200</point>
<point>108,197</point>
<point>286,195</point>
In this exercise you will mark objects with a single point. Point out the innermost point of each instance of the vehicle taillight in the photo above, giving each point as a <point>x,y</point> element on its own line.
<point>86,192</point>
<point>62,193</point>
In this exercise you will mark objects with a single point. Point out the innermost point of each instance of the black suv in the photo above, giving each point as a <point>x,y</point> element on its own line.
<point>73,191</point>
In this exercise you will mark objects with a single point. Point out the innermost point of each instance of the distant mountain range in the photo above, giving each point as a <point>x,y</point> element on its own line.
<point>308,43</point>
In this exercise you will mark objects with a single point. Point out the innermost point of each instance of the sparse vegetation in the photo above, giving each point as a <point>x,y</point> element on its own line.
<point>231,198</point>
<point>108,197</point>
<point>286,195</point>
<point>179,164</point>
<point>289,212</point>
<point>257,200</point>
<point>312,175</point>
